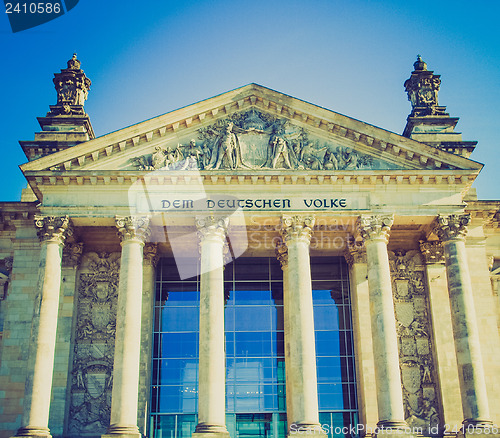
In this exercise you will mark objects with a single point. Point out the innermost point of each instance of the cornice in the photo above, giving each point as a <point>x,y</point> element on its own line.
<point>463,178</point>
<point>390,145</point>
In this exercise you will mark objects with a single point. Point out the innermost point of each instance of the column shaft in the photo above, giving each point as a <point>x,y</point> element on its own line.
<point>375,229</point>
<point>52,232</point>
<point>282,255</point>
<point>301,368</point>
<point>133,232</point>
<point>452,230</point>
<point>212,371</point>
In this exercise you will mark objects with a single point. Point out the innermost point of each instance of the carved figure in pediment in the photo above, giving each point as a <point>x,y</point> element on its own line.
<point>194,158</point>
<point>173,156</point>
<point>330,161</point>
<point>279,151</point>
<point>310,157</point>
<point>226,153</point>
<point>159,158</point>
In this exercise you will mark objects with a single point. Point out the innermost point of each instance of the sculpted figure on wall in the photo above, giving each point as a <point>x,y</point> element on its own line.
<point>91,378</point>
<point>415,352</point>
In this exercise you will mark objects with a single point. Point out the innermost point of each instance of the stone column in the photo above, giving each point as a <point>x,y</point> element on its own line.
<point>133,232</point>
<point>282,256</point>
<point>451,230</point>
<point>375,232</point>
<point>212,370</point>
<point>362,333</point>
<point>148,299</point>
<point>52,232</point>
<point>440,314</point>
<point>301,372</point>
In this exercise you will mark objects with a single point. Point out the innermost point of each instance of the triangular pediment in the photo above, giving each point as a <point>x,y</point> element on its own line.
<point>251,129</point>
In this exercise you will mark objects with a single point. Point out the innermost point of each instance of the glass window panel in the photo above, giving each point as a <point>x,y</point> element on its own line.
<point>179,345</point>
<point>177,398</point>
<point>256,294</point>
<point>326,318</point>
<point>327,343</point>
<point>248,318</point>
<point>176,371</point>
<point>325,268</point>
<point>176,319</point>
<point>330,396</point>
<point>252,344</point>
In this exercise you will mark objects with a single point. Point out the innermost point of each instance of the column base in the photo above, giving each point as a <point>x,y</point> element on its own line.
<point>33,431</point>
<point>393,429</point>
<point>474,428</point>
<point>204,430</point>
<point>299,429</point>
<point>122,431</point>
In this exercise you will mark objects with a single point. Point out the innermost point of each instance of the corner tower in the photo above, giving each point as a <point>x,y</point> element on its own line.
<point>66,124</point>
<point>429,122</point>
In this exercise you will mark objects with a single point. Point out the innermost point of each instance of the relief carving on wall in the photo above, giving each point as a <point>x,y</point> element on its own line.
<point>91,380</point>
<point>414,338</point>
<point>256,140</point>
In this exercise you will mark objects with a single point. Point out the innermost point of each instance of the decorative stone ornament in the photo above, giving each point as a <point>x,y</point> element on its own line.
<point>256,140</point>
<point>210,226</point>
<point>432,251</point>
<point>422,88</point>
<point>72,253</point>
<point>372,227</point>
<point>281,253</point>
<point>133,227</point>
<point>453,226</point>
<point>53,228</point>
<point>72,88</point>
<point>151,255</point>
<point>296,227</point>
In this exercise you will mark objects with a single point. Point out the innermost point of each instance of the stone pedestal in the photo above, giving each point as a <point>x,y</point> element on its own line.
<point>452,230</point>
<point>301,366</point>
<point>212,370</point>
<point>374,230</point>
<point>133,232</point>
<point>52,232</point>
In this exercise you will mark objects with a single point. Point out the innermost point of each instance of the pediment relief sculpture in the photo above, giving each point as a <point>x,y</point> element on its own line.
<point>255,140</point>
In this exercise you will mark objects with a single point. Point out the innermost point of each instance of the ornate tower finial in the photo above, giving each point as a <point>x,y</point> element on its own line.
<point>72,88</point>
<point>419,64</point>
<point>422,88</point>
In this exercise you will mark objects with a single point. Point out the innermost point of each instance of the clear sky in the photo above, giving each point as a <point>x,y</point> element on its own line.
<point>146,58</point>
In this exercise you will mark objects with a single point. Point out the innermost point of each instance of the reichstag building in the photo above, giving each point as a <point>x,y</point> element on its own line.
<point>249,266</point>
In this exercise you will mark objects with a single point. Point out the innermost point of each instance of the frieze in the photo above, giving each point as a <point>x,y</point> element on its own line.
<point>256,140</point>
<point>414,339</point>
<point>91,377</point>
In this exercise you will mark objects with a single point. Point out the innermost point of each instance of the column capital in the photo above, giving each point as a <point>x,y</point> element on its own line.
<point>432,251</point>
<point>72,254</point>
<point>53,228</point>
<point>133,227</point>
<point>282,253</point>
<point>296,227</point>
<point>151,254</point>
<point>210,227</point>
<point>355,253</point>
<point>451,227</point>
<point>374,227</point>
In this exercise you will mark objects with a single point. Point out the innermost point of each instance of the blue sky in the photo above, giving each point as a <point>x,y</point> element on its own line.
<point>351,56</point>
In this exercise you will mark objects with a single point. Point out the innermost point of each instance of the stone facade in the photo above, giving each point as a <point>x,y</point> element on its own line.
<point>249,173</point>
